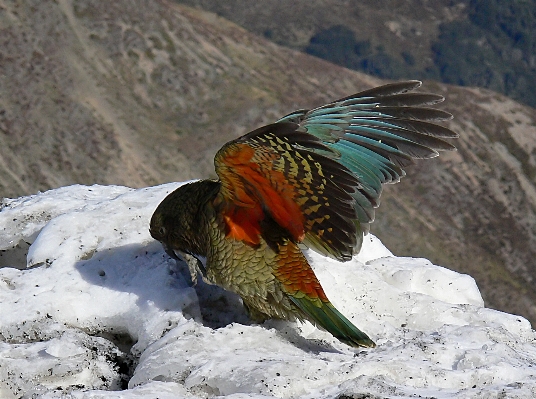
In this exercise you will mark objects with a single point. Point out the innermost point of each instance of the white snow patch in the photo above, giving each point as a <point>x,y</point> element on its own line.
<point>97,294</point>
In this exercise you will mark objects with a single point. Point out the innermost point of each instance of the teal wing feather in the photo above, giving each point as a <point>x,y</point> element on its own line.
<point>375,134</point>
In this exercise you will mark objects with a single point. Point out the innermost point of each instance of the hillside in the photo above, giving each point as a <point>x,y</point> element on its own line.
<point>143,92</point>
<point>489,44</point>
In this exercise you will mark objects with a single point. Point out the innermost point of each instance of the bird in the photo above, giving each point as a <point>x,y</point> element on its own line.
<point>311,179</point>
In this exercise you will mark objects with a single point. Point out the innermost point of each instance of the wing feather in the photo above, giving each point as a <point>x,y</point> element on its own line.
<point>319,173</point>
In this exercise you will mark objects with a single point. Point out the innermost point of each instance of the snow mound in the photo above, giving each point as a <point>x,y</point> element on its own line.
<point>92,307</point>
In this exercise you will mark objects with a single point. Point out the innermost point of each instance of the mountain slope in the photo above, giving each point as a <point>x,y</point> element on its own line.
<point>144,92</point>
<point>482,43</point>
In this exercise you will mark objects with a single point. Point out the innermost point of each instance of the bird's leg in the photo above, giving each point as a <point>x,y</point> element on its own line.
<point>193,263</point>
<point>195,266</point>
<point>254,314</point>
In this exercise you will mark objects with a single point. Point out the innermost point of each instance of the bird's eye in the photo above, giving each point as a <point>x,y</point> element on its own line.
<point>162,230</point>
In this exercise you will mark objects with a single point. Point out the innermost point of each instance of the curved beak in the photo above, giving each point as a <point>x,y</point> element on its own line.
<point>171,252</point>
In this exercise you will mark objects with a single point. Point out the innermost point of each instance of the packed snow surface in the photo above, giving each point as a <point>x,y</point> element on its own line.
<point>90,304</point>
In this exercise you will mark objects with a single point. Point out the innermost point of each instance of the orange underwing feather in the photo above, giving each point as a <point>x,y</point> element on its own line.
<point>251,187</point>
<point>243,224</point>
<point>289,176</point>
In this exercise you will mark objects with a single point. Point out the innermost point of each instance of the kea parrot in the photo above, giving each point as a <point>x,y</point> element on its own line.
<point>312,179</point>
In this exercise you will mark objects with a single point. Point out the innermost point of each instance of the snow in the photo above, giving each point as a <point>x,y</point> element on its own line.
<point>97,310</point>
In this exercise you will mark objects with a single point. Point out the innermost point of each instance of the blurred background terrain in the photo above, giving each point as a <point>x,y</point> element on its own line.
<point>484,43</point>
<point>139,93</point>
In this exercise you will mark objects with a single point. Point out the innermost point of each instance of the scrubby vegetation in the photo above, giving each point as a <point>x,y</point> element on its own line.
<point>339,45</point>
<point>493,46</point>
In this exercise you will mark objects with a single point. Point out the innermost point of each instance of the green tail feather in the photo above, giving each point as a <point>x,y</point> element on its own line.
<point>329,318</point>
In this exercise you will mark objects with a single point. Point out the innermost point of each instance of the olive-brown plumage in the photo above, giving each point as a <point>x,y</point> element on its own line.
<point>314,177</point>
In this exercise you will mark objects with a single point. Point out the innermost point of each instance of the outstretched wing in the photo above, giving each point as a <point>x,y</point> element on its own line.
<point>319,173</point>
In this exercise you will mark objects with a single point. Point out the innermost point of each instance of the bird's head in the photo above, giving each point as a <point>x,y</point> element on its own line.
<point>178,221</point>
<point>159,229</point>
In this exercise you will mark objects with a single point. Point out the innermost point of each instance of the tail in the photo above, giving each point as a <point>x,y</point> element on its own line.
<point>325,315</point>
<point>302,287</point>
